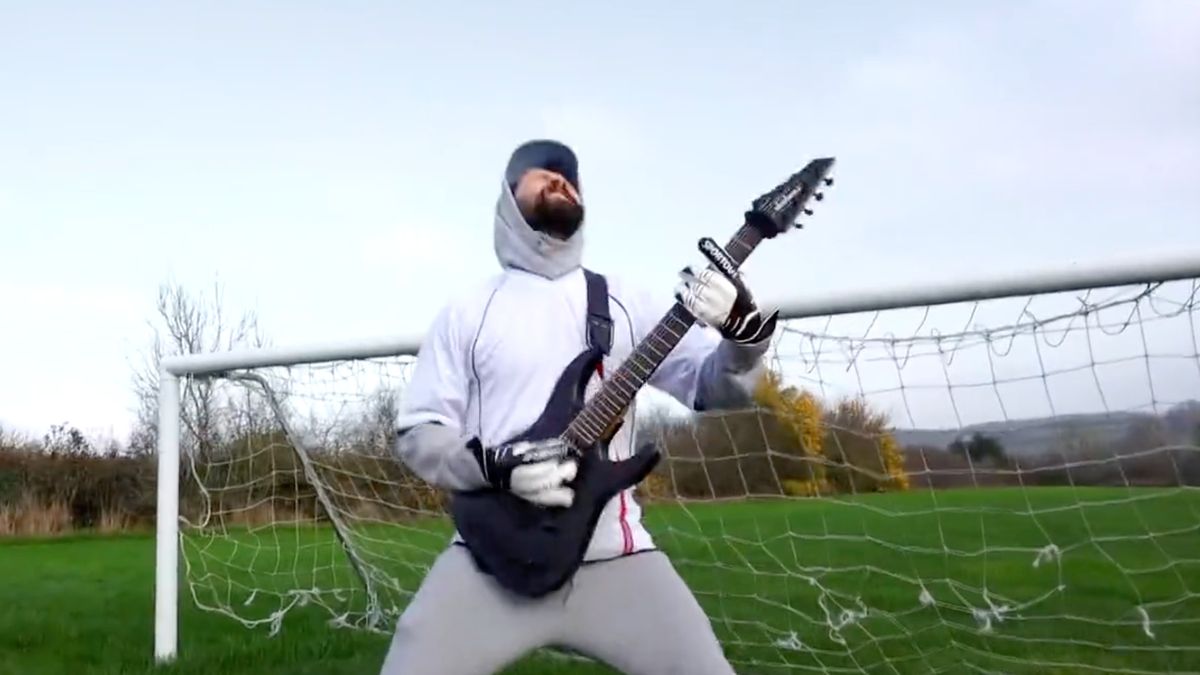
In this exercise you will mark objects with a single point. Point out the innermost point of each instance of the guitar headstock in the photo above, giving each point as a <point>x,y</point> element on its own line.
<point>776,211</point>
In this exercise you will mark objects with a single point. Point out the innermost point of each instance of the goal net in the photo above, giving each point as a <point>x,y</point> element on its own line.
<point>1002,485</point>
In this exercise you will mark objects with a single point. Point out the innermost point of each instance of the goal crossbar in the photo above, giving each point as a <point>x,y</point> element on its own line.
<point>1117,272</point>
<point>1121,272</point>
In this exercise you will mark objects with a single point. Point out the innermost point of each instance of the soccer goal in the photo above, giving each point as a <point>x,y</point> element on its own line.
<point>997,475</point>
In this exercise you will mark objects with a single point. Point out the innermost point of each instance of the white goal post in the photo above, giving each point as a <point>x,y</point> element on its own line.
<point>275,516</point>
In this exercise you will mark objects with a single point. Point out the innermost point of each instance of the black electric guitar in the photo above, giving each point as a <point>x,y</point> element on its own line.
<point>534,550</point>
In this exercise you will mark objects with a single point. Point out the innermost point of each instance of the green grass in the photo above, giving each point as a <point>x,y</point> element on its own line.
<point>778,578</point>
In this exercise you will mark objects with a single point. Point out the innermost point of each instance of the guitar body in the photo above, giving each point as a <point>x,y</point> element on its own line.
<point>534,550</point>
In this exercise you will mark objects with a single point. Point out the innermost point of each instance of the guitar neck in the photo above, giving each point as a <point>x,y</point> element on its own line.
<point>602,412</point>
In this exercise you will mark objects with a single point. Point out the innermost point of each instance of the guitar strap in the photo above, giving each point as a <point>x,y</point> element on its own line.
<point>599,321</point>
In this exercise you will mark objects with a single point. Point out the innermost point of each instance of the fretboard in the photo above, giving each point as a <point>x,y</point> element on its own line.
<point>608,406</point>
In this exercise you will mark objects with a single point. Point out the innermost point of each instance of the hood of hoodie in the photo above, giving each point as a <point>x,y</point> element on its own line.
<point>519,246</point>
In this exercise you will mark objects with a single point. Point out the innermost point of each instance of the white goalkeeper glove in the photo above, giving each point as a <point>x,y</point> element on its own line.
<point>725,304</point>
<point>536,471</point>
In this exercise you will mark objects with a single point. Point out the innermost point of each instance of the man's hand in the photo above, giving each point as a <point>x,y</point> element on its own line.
<point>725,304</point>
<point>536,471</point>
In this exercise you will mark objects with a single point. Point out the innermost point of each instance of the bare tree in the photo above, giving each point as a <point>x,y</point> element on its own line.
<point>371,430</point>
<point>14,440</point>
<point>187,324</point>
<point>383,409</point>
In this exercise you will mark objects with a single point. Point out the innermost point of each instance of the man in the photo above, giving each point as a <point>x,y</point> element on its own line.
<point>483,375</point>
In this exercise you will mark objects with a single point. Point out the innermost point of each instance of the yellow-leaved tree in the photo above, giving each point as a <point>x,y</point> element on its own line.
<point>863,453</point>
<point>799,414</point>
<point>849,447</point>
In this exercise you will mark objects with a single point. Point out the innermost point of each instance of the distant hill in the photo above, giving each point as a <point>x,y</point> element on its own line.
<point>1179,424</point>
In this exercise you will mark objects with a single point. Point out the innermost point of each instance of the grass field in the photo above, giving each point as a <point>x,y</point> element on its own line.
<point>881,584</point>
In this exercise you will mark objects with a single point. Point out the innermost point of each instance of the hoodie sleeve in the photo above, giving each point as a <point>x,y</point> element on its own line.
<point>704,371</point>
<point>430,431</point>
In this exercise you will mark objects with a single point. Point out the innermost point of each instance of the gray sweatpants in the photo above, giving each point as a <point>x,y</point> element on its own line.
<point>633,613</point>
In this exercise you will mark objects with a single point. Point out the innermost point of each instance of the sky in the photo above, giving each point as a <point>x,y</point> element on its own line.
<point>335,166</point>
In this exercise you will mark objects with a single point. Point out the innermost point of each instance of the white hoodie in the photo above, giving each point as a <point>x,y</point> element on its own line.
<point>491,358</point>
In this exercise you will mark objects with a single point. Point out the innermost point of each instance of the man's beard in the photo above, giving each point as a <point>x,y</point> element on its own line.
<point>558,218</point>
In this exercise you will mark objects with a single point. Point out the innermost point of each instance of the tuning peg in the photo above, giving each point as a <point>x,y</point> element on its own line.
<point>819,196</point>
<point>808,212</point>
<point>828,181</point>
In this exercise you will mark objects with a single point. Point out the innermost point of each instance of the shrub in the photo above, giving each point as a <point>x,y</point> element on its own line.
<point>64,483</point>
<point>862,452</point>
<point>979,447</point>
<point>801,415</point>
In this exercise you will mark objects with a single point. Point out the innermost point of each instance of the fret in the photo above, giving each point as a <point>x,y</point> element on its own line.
<point>649,345</point>
<point>630,389</point>
<point>608,407</point>
<point>667,331</point>
<point>581,420</point>
<point>584,427</point>
<point>642,374</point>
<point>646,369</point>
<point>574,436</point>
<point>668,335</point>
